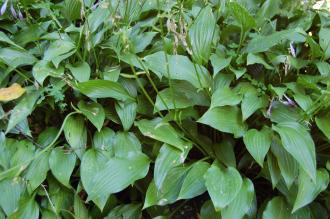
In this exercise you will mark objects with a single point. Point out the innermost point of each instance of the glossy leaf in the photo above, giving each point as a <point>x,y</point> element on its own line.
<point>103,89</point>
<point>323,123</point>
<point>258,143</point>
<point>61,164</point>
<point>224,96</point>
<point>94,112</point>
<point>81,71</point>
<point>76,134</point>
<point>298,142</point>
<point>201,35</point>
<point>226,119</point>
<point>223,185</point>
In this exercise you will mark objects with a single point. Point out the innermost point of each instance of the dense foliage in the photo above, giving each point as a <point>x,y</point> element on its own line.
<point>164,108</point>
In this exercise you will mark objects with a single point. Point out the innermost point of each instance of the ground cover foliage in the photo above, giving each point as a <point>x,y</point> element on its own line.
<point>164,109</point>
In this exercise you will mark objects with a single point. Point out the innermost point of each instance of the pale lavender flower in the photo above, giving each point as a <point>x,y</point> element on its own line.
<point>13,12</point>
<point>3,8</point>
<point>292,50</point>
<point>20,15</point>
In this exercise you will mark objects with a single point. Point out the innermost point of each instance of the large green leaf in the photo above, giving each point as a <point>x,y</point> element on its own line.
<point>61,164</point>
<point>59,50</point>
<point>42,69</point>
<point>242,203</point>
<point>168,157</point>
<point>251,103</point>
<point>104,139</point>
<point>11,191</point>
<point>126,144</point>
<point>201,35</point>
<point>324,41</point>
<point>225,119</point>
<point>126,112</point>
<point>23,109</point>
<point>288,166</point>
<point>179,68</point>
<point>91,163</point>
<point>79,208</point>
<point>224,96</point>
<point>28,208</point>
<point>15,58</point>
<point>162,131</point>
<point>81,71</point>
<point>242,16</point>
<point>277,208</point>
<point>308,190</point>
<point>219,63</point>
<point>262,43</point>
<point>37,171</point>
<point>125,211</point>
<point>76,134</point>
<point>258,143</point>
<point>323,123</point>
<point>104,89</point>
<point>194,182</point>
<point>223,185</point>
<point>299,143</point>
<point>94,112</point>
<point>118,173</point>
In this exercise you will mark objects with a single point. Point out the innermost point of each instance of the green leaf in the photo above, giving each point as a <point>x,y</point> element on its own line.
<point>168,157</point>
<point>194,184</point>
<point>277,208</point>
<point>126,112</point>
<point>308,190</point>
<point>242,16</point>
<point>257,59</point>
<point>11,191</point>
<point>162,131</point>
<point>80,210</point>
<point>223,185</point>
<point>37,171</point>
<point>324,68</point>
<point>42,69</point>
<point>104,89</point>
<point>242,202</point>
<point>61,164</point>
<point>298,142</point>
<point>170,191</point>
<point>58,51</point>
<point>323,123</point>
<point>98,17</point>
<point>179,68</point>
<point>258,143</point>
<point>225,152</point>
<point>104,139</point>
<point>225,119</point>
<point>15,58</point>
<point>23,109</point>
<point>91,163</point>
<point>219,63</point>
<point>262,43</point>
<point>251,103</point>
<point>80,71</point>
<point>76,134</point>
<point>289,167</point>
<point>94,113</point>
<point>273,169</point>
<point>125,211</point>
<point>47,136</point>
<point>118,173</point>
<point>126,144</point>
<point>208,212</point>
<point>4,38</point>
<point>201,35</point>
<point>72,10</point>
<point>224,96</point>
<point>180,95</point>
<point>324,41</point>
<point>28,208</point>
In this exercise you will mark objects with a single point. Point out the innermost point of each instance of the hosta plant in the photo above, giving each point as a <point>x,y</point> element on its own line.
<point>164,109</point>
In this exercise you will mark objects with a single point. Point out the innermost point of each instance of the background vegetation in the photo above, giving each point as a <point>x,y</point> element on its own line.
<point>164,109</point>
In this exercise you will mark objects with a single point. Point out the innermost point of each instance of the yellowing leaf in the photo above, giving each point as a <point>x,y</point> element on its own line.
<point>11,93</point>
